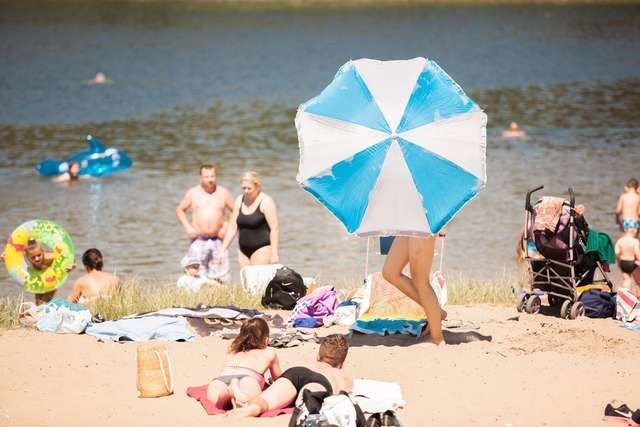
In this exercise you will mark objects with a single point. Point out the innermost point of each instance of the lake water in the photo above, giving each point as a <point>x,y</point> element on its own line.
<point>199,83</point>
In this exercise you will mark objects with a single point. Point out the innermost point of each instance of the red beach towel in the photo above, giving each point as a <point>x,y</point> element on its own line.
<point>200,394</point>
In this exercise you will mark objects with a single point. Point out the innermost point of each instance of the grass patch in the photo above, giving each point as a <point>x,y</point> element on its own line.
<point>139,296</point>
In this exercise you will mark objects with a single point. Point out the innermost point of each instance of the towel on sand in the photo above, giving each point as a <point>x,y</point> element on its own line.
<point>200,394</point>
<point>386,310</point>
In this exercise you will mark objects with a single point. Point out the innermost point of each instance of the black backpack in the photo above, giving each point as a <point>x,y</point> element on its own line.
<point>284,290</point>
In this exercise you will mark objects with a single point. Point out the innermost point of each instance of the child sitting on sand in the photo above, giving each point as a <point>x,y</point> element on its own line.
<point>242,377</point>
<point>628,252</point>
<point>191,280</point>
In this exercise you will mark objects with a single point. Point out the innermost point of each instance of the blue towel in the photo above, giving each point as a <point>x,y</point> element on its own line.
<point>143,329</point>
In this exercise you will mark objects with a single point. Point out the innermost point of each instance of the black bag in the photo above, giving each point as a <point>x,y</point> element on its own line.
<point>284,290</point>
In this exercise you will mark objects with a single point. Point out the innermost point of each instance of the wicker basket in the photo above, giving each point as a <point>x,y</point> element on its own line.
<point>155,376</point>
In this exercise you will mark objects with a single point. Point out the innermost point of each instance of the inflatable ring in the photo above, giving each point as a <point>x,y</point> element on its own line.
<point>51,250</point>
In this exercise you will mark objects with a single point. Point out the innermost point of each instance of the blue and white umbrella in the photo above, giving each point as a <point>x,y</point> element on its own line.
<point>392,147</point>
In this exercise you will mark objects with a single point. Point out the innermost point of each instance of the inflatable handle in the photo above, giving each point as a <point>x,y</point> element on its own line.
<point>527,203</point>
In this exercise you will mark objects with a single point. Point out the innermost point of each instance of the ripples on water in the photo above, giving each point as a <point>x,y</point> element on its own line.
<point>582,134</point>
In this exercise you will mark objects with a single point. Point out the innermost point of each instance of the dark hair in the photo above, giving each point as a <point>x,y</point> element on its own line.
<point>207,166</point>
<point>333,350</point>
<point>92,258</point>
<point>632,183</point>
<point>252,334</point>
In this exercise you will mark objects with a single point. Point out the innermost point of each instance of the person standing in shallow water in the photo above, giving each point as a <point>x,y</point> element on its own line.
<point>417,251</point>
<point>73,174</point>
<point>255,219</point>
<point>208,203</point>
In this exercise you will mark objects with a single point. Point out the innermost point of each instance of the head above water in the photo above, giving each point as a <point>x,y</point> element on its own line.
<point>208,177</point>
<point>513,126</point>
<point>74,170</point>
<point>333,350</point>
<point>92,259</point>
<point>254,333</point>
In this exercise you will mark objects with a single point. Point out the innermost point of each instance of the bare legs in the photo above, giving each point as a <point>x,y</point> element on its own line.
<point>278,395</point>
<point>418,253</point>
<point>239,392</point>
<point>219,393</point>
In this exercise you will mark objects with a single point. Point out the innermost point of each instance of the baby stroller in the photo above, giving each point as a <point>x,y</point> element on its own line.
<point>554,242</point>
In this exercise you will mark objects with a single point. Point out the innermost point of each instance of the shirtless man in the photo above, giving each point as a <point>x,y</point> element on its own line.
<point>628,209</point>
<point>96,282</point>
<point>208,203</point>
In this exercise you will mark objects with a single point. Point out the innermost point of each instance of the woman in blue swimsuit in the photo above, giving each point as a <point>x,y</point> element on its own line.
<point>255,220</point>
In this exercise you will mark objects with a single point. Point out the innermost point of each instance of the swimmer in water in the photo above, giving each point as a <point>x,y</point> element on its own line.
<point>513,131</point>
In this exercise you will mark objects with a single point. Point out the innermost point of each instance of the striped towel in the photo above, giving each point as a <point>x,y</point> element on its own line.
<point>627,306</point>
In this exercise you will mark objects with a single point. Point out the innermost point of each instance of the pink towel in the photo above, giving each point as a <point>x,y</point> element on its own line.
<point>200,394</point>
<point>548,212</point>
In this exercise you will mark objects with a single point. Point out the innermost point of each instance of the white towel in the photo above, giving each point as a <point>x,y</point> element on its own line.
<point>377,396</point>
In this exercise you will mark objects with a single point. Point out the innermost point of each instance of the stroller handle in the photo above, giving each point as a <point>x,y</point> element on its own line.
<point>527,203</point>
<point>572,197</point>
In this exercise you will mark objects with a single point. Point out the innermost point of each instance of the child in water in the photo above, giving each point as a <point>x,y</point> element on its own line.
<point>242,377</point>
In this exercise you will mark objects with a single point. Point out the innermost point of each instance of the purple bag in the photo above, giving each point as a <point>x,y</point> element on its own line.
<point>316,305</point>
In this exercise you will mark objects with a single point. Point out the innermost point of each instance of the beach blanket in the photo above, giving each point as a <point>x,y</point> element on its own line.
<point>217,320</point>
<point>200,394</point>
<point>386,310</point>
<point>142,329</point>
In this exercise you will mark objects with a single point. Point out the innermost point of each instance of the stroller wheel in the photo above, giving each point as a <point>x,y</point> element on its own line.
<point>533,304</point>
<point>522,300</point>
<point>577,309</point>
<point>564,310</point>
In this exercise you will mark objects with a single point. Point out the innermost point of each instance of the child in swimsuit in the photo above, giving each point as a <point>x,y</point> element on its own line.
<point>628,252</point>
<point>242,377</point>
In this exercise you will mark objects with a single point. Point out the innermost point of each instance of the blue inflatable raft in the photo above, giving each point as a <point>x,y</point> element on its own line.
<point>98,160</point>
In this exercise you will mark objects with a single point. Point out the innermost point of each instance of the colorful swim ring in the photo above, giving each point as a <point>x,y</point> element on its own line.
<point>58,249</point>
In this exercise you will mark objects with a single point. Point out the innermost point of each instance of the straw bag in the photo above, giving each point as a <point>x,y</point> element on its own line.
<point>155,377</point>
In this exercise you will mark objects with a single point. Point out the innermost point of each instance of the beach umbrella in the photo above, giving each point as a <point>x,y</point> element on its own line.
<point>392,147</point>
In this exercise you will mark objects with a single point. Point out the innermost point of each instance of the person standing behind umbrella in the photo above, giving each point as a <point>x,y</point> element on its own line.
<point>417,251</point>
<point>255,220</point>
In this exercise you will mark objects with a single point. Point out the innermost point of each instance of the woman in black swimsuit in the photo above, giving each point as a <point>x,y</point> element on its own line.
<point>255,220</point>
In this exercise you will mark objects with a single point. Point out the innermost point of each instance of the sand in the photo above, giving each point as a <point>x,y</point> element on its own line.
<point>535,370</point>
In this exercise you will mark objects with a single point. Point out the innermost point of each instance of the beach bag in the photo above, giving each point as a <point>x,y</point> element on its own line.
<point>598,304</point>
<point>322,409</point>
<point>284,290</point>
<point>155,376</point>
<point>62,317</point>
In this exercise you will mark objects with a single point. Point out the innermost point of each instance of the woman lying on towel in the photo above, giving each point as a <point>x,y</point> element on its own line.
<point>242,377</point>
<point>325,374</point>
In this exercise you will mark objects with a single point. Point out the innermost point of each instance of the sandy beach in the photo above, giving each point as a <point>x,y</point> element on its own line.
<point>500,368</point>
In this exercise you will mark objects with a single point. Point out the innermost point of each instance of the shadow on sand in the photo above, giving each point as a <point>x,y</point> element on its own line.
<point>399,340</point>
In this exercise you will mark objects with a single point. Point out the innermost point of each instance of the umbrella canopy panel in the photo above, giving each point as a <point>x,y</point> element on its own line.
<point>392,147</point>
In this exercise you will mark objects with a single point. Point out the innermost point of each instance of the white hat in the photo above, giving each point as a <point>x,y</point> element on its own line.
<point>189,260</point>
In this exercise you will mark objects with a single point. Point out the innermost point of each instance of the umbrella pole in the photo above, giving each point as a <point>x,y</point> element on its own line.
<point>442,249</point>
<point>366,261</point>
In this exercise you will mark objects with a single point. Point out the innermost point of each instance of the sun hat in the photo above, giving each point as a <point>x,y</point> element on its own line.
<point>189,260</point>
